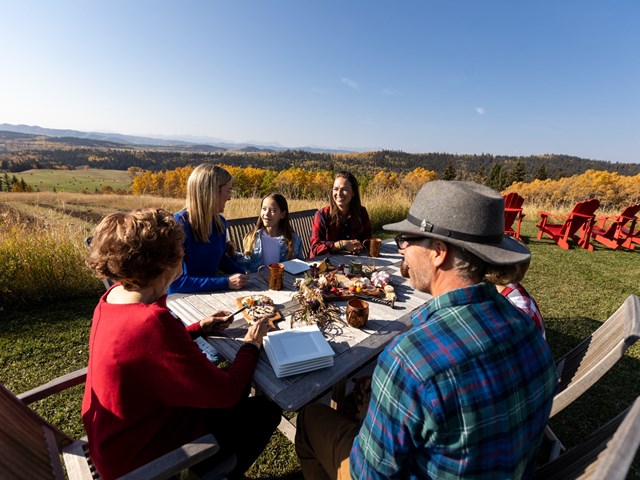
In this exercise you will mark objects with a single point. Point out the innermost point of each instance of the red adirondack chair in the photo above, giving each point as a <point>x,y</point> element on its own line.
<point>580,218</point>
<point>619,233</point>
<point>512,211</point>
<point>632,237</point>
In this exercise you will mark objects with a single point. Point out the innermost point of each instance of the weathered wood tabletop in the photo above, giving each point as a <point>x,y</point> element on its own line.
<point>353,347</point>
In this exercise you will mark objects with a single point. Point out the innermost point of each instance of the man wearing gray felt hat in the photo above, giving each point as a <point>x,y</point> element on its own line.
<point>467,390</point>
<point>465,214</point>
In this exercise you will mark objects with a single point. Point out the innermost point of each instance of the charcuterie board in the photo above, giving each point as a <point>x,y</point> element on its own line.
<point>259,306</point>
<point>345,288</point>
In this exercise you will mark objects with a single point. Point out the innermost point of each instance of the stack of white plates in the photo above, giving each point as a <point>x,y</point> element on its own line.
<point>298,350</point>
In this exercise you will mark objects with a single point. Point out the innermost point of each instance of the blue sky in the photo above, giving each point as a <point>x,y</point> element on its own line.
<point>502,77</point>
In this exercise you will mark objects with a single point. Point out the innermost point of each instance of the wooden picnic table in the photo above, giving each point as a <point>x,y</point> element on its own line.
<point>354,348</point>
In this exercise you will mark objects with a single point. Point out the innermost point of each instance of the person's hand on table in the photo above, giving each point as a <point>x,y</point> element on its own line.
<point>257,331</point>
<point>217,322</point>
<point>237,281</point>
<point>351,246</point>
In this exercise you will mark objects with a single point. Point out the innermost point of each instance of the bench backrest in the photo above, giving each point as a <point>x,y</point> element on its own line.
<point>300,223</point>
<point>587,362</point>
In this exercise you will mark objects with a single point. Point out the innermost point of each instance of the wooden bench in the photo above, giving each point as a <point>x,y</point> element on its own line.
<point>30,447</point>
<point>300,223</point>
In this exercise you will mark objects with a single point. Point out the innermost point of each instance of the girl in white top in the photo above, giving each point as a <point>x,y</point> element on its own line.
<point>272,240</point>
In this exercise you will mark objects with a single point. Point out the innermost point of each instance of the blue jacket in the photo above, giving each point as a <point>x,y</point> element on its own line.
<point>204,263</point>
<point>252,262</point>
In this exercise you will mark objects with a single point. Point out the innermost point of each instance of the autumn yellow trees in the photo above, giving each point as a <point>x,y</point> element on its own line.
<point>612,189</point>
<point>293,182</point>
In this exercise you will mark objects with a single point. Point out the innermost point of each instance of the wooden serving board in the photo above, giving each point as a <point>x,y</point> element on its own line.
<point>374,294</point>
<point>245,314</point>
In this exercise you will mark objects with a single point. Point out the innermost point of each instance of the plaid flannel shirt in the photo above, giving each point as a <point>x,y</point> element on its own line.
<point>324,234</point>
<point>465,393</point>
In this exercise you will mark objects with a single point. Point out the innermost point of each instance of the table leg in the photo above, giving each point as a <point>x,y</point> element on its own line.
<point>338,394</point>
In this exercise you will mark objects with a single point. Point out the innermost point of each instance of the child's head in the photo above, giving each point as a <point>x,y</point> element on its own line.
<point>506,274</point>
<point>274,212</point>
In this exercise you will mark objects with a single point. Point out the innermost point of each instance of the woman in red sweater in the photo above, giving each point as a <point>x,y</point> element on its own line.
<point>344,224</point>
<point>149,387</point>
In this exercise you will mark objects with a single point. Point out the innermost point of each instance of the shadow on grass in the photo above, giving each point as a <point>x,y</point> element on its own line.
<point>614,392</point>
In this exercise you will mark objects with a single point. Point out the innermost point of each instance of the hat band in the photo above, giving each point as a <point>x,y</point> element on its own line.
<point>428,227</point>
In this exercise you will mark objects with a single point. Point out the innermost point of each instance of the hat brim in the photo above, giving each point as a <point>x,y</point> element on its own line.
<point>506,252</point>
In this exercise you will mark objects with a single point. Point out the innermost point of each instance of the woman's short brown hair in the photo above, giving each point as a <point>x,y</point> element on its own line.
<point>134,248</point>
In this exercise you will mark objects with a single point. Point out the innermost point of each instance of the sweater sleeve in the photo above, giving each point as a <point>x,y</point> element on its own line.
<point>195,330</point>
<point>201,262</point>
<point>229,266</point>
<point>181,376</point>
<point>189,284</point>
<point>320,245</point>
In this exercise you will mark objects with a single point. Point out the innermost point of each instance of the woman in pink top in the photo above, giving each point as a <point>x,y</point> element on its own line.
<point>149,387</point>
<point>507,280</point>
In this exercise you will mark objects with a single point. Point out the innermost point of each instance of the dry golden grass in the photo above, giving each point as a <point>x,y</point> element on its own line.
<point>42,236</point>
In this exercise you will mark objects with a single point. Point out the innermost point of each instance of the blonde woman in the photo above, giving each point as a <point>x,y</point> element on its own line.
<point>208,190</point>
<point>272,239</point>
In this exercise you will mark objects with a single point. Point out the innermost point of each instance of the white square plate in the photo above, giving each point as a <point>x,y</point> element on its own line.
<point>298,368</point>
<point>295,266</point>
<point>303,369</point>
<point>290,347</point>
<point>322,361</point>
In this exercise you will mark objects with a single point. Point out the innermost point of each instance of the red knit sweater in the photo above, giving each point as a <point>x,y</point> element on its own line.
<point>145,383</point>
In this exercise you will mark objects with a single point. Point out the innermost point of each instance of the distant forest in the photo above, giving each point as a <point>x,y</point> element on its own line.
<point>446,165</point>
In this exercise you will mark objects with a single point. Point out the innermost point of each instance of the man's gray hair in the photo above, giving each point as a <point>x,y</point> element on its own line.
<point>469,266</point>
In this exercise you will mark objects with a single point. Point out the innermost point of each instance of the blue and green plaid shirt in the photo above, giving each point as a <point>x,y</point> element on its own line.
<point>466,393</point>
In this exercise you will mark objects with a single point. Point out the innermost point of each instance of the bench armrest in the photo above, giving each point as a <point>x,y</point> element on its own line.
<point>173,462</point>
<point>56,385</point>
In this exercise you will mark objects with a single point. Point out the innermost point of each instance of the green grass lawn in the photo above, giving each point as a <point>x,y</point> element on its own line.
<point>75,181</point>
<point>576,291</point>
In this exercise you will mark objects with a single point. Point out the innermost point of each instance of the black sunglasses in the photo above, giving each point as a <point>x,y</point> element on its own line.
<point>403,241</point>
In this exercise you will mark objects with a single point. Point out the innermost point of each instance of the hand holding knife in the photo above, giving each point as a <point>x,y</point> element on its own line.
<point>218,321</point>
<point>237,312</point>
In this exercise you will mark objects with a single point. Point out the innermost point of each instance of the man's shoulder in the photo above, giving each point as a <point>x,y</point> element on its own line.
<point>456,334</point>
<point>449,338</point>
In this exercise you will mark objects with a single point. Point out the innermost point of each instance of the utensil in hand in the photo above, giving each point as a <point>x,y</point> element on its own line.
<point>230,317</point>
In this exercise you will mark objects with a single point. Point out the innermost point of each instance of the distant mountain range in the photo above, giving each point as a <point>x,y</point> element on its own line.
<point>189,144</point>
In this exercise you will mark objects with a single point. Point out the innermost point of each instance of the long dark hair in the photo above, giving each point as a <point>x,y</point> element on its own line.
<point>354,204</point>
<point>285,226</point>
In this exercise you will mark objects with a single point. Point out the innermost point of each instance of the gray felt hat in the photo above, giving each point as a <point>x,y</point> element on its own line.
<point>465,214</point>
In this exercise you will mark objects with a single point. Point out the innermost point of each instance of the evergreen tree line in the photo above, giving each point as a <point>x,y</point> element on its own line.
<point>12,184</point>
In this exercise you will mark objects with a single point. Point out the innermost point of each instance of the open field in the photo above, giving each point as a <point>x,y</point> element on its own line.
<point>91,180</point>
<point>576,291</point>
